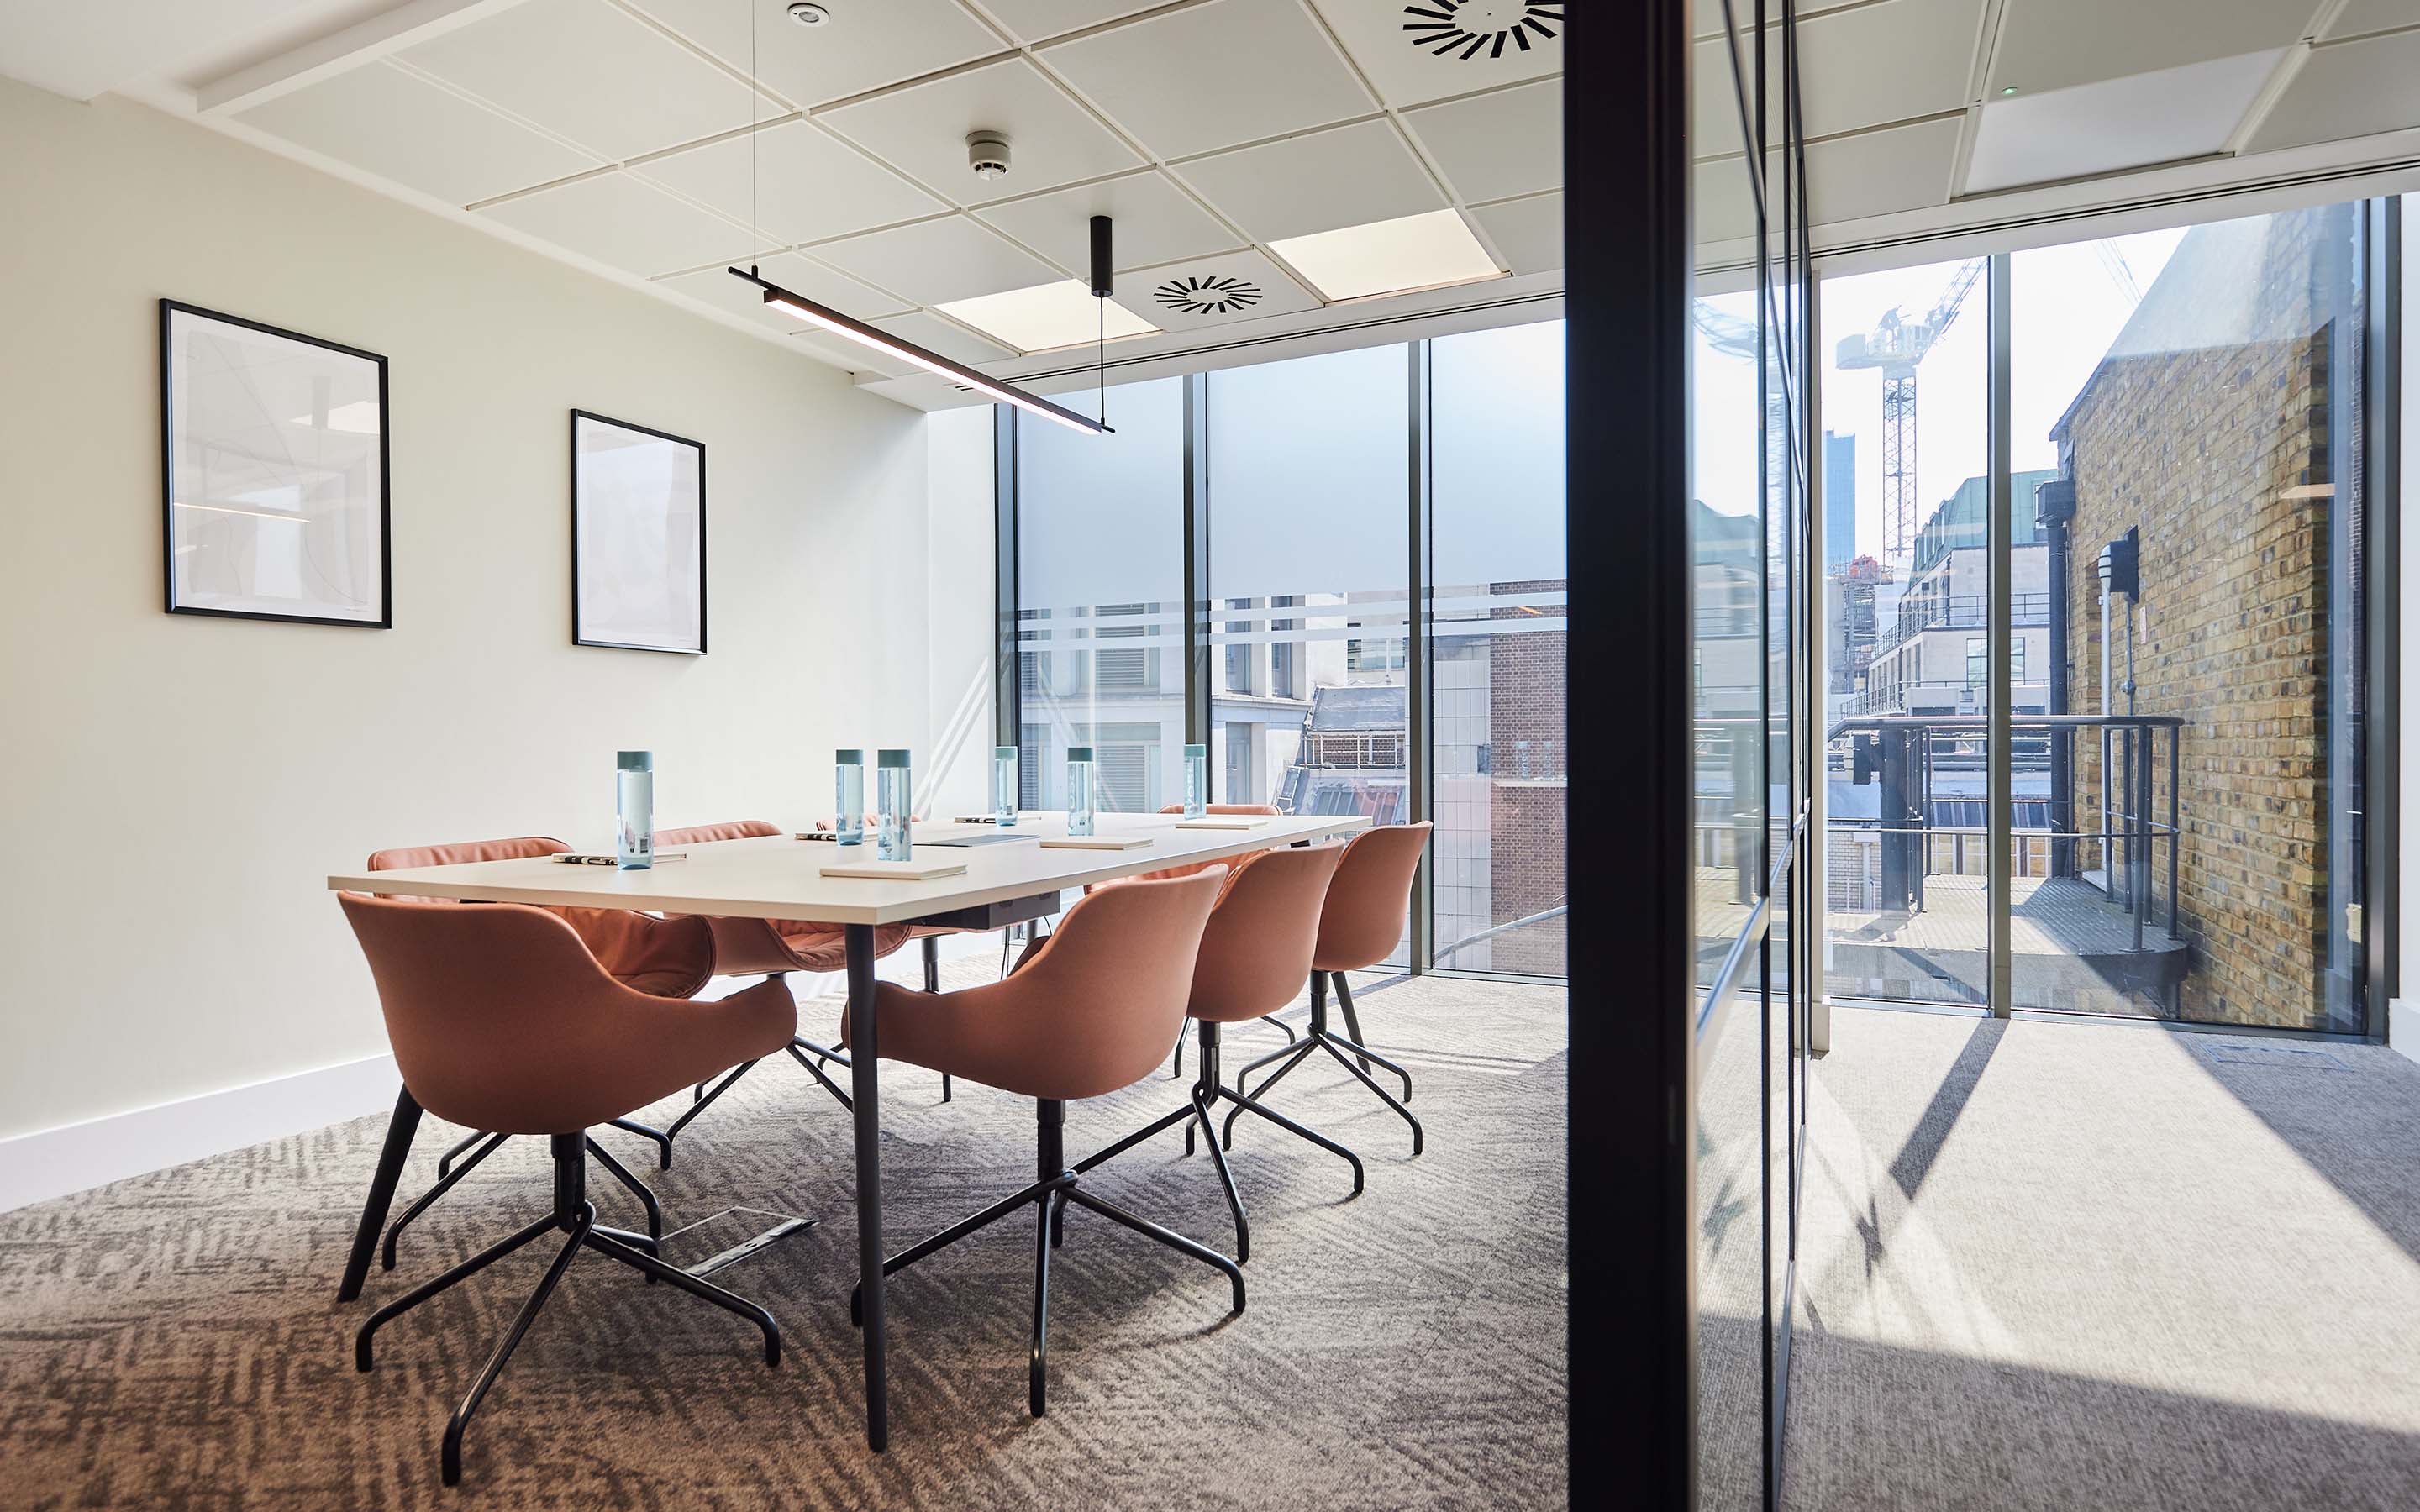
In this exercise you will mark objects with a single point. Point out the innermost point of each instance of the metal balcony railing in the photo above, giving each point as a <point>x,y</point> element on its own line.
<point>1963,613</point>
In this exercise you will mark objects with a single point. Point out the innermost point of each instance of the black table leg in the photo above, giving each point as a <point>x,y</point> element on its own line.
<point>863,1059</point>
<point>399,1131</point>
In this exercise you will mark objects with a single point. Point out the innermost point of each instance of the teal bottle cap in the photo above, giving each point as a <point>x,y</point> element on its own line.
<point>1197,751</point>
<point>891,759</point>
<point>849,757</point>
<point>1005,753</point>
<point>1080,754</point>
<point>635,760</point>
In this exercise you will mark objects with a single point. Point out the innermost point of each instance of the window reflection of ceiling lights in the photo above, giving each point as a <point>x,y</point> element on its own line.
<point>1390,256</point>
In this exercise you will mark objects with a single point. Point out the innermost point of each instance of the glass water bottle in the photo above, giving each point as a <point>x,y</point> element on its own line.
<point>1196,781</point>
<point>895,806</point>
<point>848,796</point>
<point>1080,790</point>
<point>1003,786</point>
<point>634,809</point>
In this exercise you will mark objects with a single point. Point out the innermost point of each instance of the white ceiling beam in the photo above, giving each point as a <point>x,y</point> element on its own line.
<point>407,25</point>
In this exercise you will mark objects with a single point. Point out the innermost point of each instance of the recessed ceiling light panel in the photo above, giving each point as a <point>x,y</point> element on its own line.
<point>1051,315</point>
<point>1390,256</point>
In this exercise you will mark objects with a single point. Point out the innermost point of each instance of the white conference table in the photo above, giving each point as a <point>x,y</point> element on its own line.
<point>780,877</point>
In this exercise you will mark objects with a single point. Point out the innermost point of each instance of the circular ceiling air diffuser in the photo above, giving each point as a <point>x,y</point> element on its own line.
<point>1218,294</point>
<point>1462,29</point>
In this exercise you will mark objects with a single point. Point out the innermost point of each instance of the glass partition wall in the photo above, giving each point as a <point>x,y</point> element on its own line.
<point>2176,550</point>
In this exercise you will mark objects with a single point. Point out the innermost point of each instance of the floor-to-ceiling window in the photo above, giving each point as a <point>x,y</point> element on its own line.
<point>1100,611</point>
<point>1501,767</point>
<point>2186,604</point>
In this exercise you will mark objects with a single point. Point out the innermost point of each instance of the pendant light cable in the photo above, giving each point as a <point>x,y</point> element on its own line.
<point>755,218</point>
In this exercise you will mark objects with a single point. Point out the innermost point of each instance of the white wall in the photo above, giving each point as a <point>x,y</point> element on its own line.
<point>177,788</point>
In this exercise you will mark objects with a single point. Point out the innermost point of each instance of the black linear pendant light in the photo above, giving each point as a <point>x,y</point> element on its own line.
<point>859,331</point>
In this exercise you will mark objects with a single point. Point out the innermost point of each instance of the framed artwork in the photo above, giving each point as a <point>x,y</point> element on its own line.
<point>638,537</point>
<point>273,472</point>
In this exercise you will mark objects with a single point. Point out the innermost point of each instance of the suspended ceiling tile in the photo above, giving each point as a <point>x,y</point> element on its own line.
<point>1713,99</point>
<point>2347,89</point>
<point>2051,44</point>
<point>400,126</point>
<point>1528,232</point>
<point>806,185</point>
<point>1428,50</point>
<point>1710,15</point>
<point>2359,18</point>
<point>797,275</point>
<point>1211,75</point>
<point>1872,64</point>
<point>1036,20</point>
<point>2116,124</point>
<point>923,131</point>
<point>591,74</point>
<point>934,262</point>
<point>951,340</point>
<point>866,44</point>
<point>1496,145</point>
<point>1347,175</point>
<point>1876,173</point>
<point>617,220</point>
<point>1152,222</point>
<point>1721,207</point>
<point>1211,291</point>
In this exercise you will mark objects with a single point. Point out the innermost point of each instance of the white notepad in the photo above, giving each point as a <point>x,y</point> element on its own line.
<point>896,871</point>
<point>1096,842</point>
<point>1224,820</point>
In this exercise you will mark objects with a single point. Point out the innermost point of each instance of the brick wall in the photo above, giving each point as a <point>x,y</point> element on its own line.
<point>1526,863</point>
<point>2208,429</point>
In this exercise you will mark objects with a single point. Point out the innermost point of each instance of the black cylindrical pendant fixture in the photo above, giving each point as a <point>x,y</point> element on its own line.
<point>1100,257</point>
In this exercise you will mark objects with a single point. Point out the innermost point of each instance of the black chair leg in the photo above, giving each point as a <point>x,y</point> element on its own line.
<point>638,1189</point>
<point>1226,1179</point>
<point>1345,1060</point>
<point>444,1184</point>
<point>454,1153</point>
<point>1351,1039</point>
<point>1169,1237</point>
<point>1300,1130</point>
<point>450,1454</point>
<point>657,1138</point>
<point>477,1263</point>
<point>689,1115</point>
<point>823,1079</point>
<point>933,984</point>
<point>1035,1363</point>
<point>657,1269</point>
<point>400,1128</point>
<point>1344,1001</point>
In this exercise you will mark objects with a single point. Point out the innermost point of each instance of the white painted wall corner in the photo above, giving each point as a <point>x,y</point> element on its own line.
<point>2403,1027</point>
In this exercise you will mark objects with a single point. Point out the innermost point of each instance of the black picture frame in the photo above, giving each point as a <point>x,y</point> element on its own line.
<point>579,630</point>
<point>170,311</point>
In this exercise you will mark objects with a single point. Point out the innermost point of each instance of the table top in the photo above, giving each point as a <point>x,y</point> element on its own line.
<point>780,877</point>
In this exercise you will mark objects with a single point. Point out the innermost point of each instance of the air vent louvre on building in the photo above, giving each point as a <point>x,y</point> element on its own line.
<point>1462,29</point>
<point>1218,294</point>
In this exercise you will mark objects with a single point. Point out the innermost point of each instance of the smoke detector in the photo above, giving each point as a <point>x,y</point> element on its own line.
<point>807,14</point>
<point>987,154</point>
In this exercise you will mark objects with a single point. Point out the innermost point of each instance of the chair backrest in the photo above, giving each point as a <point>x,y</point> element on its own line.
<point>1268,809</point>
<point>706,834</point>
<point>1371,897</point>
<point>502,1019</point>
<point>1256,950</point>
<point>404,857</point>
<point>1093,1011</point>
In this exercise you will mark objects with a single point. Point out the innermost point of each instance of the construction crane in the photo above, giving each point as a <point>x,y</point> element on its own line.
<point>1896,346</point>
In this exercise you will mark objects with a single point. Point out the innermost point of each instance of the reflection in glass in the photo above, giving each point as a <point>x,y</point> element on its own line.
<point>1727,546</point>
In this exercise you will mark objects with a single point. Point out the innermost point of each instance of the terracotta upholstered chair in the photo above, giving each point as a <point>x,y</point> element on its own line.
<point>1086,1014</point>
<point>1367,905</point>
<point>1254,955</point>
<point>501,1019</point>
<point>663,957</point>
<point>768,948</point>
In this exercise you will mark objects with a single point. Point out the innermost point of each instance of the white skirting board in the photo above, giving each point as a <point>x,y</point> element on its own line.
<point>2403,1027</point>
<point>52,1163</point>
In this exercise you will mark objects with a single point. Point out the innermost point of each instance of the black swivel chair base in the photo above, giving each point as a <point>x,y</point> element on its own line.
<point>1207,1091</point>
<point>1049,1195</point>
<point>1348,1052</point>
<point>488,1144</point>
<point>575,1217</point>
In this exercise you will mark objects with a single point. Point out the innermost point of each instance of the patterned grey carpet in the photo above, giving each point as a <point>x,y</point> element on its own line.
<point>174,1341</point>
<point>2054,1267</point>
